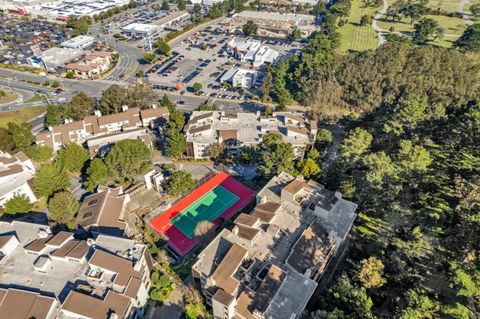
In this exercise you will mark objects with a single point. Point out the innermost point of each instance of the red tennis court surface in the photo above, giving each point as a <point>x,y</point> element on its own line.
<point>180,243</point>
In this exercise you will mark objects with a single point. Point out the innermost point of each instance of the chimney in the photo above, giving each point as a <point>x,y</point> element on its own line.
<point>97,113</point>
<point>124,108</point>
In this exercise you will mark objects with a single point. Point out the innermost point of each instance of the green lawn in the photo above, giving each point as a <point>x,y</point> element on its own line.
<point>35,98</point>
<point>446,5</point>
<point>20,116</point>
<point>354,36</point>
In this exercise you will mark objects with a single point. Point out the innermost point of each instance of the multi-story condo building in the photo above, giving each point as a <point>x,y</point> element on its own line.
<point>16,176</point>
<point>46,276</point>
<point>243,129</point>
<point>269,264</point>
<point>132,123</point>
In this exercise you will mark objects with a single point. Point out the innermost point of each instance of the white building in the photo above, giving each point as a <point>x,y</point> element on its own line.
<point>108,277</point>
<point>16,176</point>
<point>80,42</point>
<point>140,30</point>
<point>240,130</point>
<point>54,58</point>
<point>251,51</point>
<point>239,77</point>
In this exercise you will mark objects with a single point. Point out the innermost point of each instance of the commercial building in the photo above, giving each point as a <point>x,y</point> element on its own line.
<point>243,129</point>
<point>274,24</point>
<point>92,65</point>
<point>80,42</point>
<point>62,9</point>
<point>251,51</point>
<point>109,127</point>
<point>239,78</point>
<point>54,58</point>
<point>16,177</point>
<point>108,277</point>
<point>172,18</point>
<point>269,264</point>
<point>140,30</point>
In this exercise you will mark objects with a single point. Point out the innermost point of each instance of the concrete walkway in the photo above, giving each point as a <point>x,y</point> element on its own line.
<point>381,32</point>
<point>465,16</point>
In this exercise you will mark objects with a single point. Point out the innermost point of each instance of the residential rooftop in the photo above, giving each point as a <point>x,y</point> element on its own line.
<point>269,264</point>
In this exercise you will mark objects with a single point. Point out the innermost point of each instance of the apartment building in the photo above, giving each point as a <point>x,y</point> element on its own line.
<point>16,176</point>
<point>108,127</point>
<point>269,264</point>
<point>108,277</point>
<point>241,130</point>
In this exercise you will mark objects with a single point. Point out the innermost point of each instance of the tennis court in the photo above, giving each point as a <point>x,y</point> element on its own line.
<point>208,207</point>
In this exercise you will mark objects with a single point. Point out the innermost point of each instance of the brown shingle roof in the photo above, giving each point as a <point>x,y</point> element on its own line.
<point>247,233</point>
<point>269,207</point>
<point>264,216</point>
<point>59,239</point>
<point>246,220</point>
<point>73,248</point>
<point>121,266</point>
<point>228,134</point>
<point>11,170</point>
<point>38,244</point>
<point>222,297</point>
<point>223,275</point>
<point>158,112</point>
<point>91,307</point>
<point>19,304</point>
<point>298,130</point>
<point>295,186</point>
<point>22,157</point>
<point>312,249</point>
<point>200,129</point>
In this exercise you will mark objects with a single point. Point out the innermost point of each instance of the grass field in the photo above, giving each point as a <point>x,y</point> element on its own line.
<point>208,207</point>
<point>354,36</point>
<point>7,97</point>
<point>20,116</point>
<point>446,5</point>
<point>34,98</point>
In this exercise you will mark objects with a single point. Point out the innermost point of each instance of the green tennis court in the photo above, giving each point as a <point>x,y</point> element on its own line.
<point>208,207</point>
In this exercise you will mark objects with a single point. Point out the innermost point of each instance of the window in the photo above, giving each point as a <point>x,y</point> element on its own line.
<point>87,215</point>
<point>92,202</point>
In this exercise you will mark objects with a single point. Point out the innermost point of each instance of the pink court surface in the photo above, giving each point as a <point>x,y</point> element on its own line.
<point>178,240</point>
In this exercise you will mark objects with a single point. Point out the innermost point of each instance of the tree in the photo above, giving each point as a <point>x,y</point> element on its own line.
<point>129,160</point>
<point>250,28</point>
<point>366,20</point>
<point>197,87</point>
<point>72,157</point>
<point>97,173</point>
<point>149,56</point>
<point>181,5</point>
<point>355,144</point>
<point>176,143</point>
<point>267,86</point>
<point>274,156</point>
<point>308,168</point>
<point>216,150</point>
<point>39,153</point>
<point>112,99</point>
<point>55,115</point>
<point>50,178</point>
<point>18,204</point>
<point>424,30</point>
<point>295,35</point>
<point>413,158</point>
<point>70,75</point>
<point>267,111</point>
<point>55,84</point>
<point>162,47</point>
<point>420,306</point>
<point>21,135</point>
<point>62,207</point>
<point>324,137</point>
<point>165,5</point>
<point>194,307</point>
<point>371,271</point>
<point>470,39</point>
<point>407,113</point>
<point>6,141</point>
<point>180,182</point>
<point>81,106</point>
<point>380,168</point>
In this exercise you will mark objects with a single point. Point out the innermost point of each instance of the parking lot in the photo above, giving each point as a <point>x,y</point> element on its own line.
<point>202,58</point>
<point>18,35</point>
